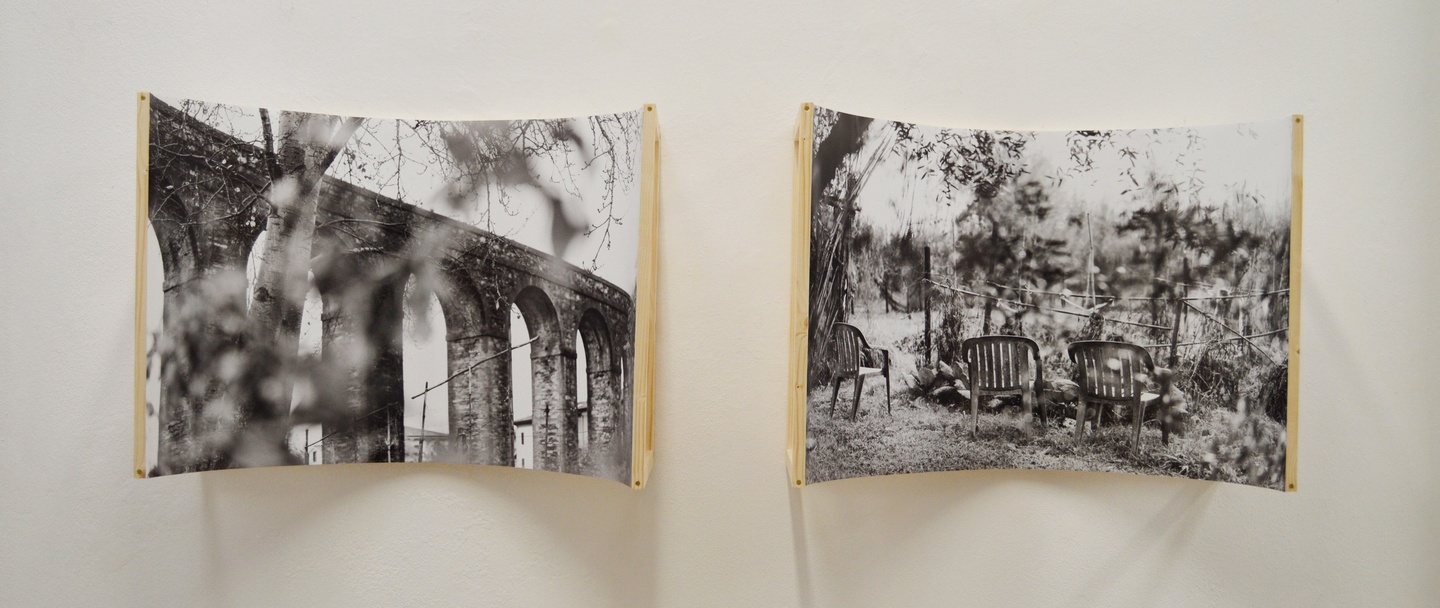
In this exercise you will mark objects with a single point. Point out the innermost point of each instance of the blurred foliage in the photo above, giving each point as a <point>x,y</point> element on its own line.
<point>235,382</point>
<point>981,160</point>
<point>1199,277</point>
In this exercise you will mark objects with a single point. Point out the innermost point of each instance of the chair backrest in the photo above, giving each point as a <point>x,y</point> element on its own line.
<point>1000,362</point>
<point>849,347</point>
<point>1111,370</point>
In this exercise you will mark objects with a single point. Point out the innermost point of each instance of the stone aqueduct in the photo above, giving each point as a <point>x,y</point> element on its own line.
<point>204,186</point>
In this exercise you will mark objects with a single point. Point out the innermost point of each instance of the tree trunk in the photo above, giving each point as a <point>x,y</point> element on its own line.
<point>829,250</point>
<point>308,144</point>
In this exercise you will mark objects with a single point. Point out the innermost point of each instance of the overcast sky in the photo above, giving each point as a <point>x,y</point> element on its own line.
<point>418,178</point>
<point>1252,156</point>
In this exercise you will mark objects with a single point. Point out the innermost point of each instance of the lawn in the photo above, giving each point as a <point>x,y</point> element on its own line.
<point>919,435</point>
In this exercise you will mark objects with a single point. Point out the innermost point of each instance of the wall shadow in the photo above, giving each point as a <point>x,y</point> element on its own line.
<point>390,533</point>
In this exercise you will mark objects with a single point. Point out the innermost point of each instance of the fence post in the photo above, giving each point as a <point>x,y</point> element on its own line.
<point>424,406</point>
<point>925,301</point>
<point>1175,331</point>
<point>1089,262</point>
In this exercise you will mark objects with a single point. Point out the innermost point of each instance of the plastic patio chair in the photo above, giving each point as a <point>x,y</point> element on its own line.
<point>1111,373</point>
<point>1002,365</point>
<point>854,358</point>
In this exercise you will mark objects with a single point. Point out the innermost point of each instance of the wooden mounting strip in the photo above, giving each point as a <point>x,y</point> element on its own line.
<point>800,292</point>
<point>642,443</point>
<point>142,219</point>
<point>1292,400</point>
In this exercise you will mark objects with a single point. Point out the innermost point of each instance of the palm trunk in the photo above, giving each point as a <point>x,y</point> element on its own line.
<point>829,248</point>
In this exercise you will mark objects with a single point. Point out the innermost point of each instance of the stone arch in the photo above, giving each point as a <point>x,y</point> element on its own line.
<point>602,377</point>
<point>625,384</point>
<point>542,320</point>
<point>597,340</point>
<point>522,391</point>
<point>552,367</point>
<point>425,364</point>
<point>362,327</point>
<point>480,408</point>
<point>305,434</point>
<point>467,313</point>
<point>582,401</point>
<point>202,251</point>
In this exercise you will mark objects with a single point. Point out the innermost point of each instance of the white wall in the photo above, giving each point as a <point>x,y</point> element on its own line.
<point>719,526</point>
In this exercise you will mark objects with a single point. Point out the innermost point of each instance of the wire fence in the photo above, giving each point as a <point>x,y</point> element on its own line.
<point>350,428</point>
<point>1103,301</point>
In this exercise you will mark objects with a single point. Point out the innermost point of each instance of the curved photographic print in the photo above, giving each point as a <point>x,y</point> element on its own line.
<point>1101,300</point>
<point>321,289</point>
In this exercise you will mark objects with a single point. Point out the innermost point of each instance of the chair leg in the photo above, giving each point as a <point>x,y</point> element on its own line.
<point>1139,416</point>
<point>1027,400</point>
<point>887,389</point>
<point>975,412</point>
<point>859,388</point>
<point>835,395</point>
<point>1162,415</point>
<point>1080,411</point>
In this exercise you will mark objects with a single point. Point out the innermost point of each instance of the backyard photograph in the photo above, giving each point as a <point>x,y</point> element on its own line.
<point>1101,300</point>
<point>320,289</point>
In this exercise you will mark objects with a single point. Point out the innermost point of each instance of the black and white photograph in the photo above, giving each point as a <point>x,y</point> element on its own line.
<point>324,289</point>
<point>1089,300</point>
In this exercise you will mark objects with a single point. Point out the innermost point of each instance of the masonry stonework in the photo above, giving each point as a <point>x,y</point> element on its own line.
<point>207,210</point>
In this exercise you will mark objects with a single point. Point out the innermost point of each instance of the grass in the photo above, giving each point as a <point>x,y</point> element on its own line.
<point>919,435</point>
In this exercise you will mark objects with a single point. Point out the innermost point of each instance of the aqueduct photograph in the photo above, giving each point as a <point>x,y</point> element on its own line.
<point>304,312</point>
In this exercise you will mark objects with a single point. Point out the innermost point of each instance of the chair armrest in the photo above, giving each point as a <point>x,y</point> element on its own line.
<point>878,355</point>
